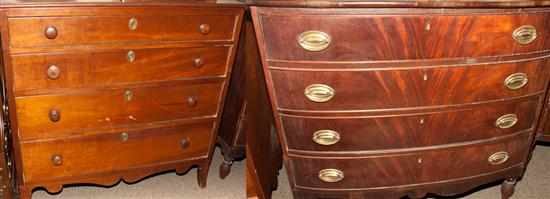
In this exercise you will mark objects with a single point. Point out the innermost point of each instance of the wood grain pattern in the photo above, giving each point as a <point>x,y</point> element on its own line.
<point>387,89</point>
<point>398,34</point>
<point>108,108</point>
<point>89,29</point>
<point>408,131</point>
<point>412,168</point>
<point>152,146</point>
<point>106,68</point>
<point>399,3</point>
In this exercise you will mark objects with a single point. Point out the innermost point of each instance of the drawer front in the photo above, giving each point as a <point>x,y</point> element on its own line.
<point>91,69</point>
<point>385,89</point>
<point>51,116</point>
<point>84,30</point>
<point>89,155</point>
<point>373,35</point>
<point>349,134</point>
<point>409,168</point>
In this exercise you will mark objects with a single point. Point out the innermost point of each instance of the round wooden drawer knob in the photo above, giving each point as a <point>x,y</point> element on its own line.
<point>54,115</point>
<point>184,143</point>
<point>50,32</point>
<point>498,158</point>
<point>192,101</point>
<point>516,81</point>
<point>506,121</point>
<point>57,160</point>
<point>319,93</point>
<point>204,29</point>
<point>53,72</point>
<point>198,62</point>
<point>525,34</point>
<point>331,175</point>
<point>326,137</point>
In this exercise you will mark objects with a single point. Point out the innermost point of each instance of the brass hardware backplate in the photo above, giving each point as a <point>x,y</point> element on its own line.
<point>319,93</point>
<point>53,72</point>
<point>326,137</point>
<point>133,23</point>
<point>314,40</point>
<point>331,175</point>
<point>516,81</point>
<point>498,158</point>
<point>131,56</point>
<point>506,121</point>
<point>128,95</point>
<point>525,34</point>
<point>124,136</point>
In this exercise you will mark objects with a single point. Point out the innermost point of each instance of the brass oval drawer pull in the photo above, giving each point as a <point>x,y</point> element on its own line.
<point>50,32</point>
<point>331,175</point>
<point>525,34</point>
<point>131,56</point>
<point>124,136</point>
<point>506,121</point>
<point>314,41</point>
<point>326,137</point>
<point>53,72</point>
<point>319,92</point>
<point>516,81</point>
<point>128,95</point>
<point>204,29</point>
<point>133,23</point>
<point>54,115</point>
<point>498,158</point>
<point>184,143</point>
<point>57,160</point>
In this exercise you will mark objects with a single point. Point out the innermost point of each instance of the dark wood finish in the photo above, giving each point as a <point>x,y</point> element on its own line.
<point>150,89</point>
<point>264,157</point>
<point>399,3</point>
<point>413,91</point>
<point>401,34</point>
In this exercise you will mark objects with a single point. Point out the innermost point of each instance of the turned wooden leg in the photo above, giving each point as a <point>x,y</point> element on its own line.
<point>25,193</point>
<point>202,175</point>
<point>507,188</point>
<point>225,168</point>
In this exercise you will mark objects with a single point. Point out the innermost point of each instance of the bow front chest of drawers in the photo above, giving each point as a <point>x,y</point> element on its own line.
<point>100,92</point>
<point>391,102</point>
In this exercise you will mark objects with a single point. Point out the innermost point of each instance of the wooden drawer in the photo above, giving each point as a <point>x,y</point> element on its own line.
<point>413,167</point>
<point>108,25</point>
<point>373,34</point>
<point>380,132</point>
<point>91,155</point>
<point>103,68</point>
<point>406,87</point>
<point>106,108</point>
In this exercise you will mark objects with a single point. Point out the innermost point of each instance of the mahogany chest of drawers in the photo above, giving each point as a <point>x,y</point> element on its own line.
<point>100,92</point>
<point>391,102</point>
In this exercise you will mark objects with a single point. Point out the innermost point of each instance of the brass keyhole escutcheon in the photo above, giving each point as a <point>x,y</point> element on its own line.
<point>326,137</point>
<point>498,158</point>
<point>131,56</point>
<point>57,160</point>
<point>124,136</point>
<point>53,72</point>
<point>516,81</point>
<point>50,32</point>
<point>54,115</point>
<point>506,121</point>
<point>128,95</point>
<point>525,34</point>
<point>133,23</point>
<point>314,40</point>
<point>319,93</point>
<point>331,175</point>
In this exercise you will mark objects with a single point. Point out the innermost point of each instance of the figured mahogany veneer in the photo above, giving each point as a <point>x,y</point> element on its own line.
<point>392,102</point>
<point>100,92</point>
